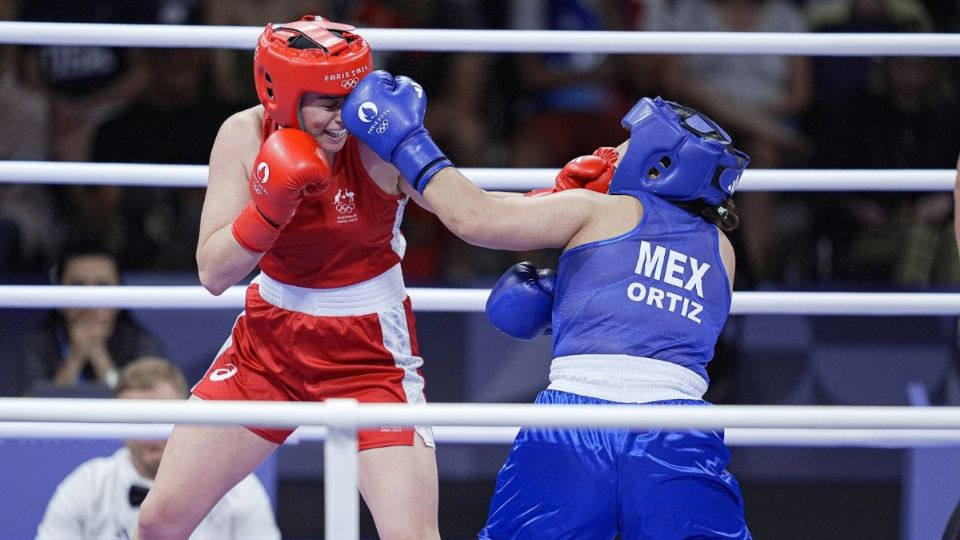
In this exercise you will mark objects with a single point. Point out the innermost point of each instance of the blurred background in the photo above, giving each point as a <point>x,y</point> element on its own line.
<point>100,104</point>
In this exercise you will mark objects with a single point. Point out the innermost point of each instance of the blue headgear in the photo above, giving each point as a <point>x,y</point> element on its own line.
<point>678,154</point>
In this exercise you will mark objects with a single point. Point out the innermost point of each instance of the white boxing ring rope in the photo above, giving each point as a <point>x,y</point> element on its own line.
<point>501,41</point>
<point>504,435</point>
<point>892,427</point>
<point>471,300</point>
<point>347,414</point>
<point>195,176</point>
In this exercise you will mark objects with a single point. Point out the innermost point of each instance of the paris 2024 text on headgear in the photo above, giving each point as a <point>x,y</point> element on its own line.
<point>310,55</point>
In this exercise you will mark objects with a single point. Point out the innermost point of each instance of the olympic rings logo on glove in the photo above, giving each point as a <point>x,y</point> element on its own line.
<point>382,127</point>
<point>350,83</point>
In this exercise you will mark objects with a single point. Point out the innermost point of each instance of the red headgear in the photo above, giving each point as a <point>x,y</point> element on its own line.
<point>309,55</point>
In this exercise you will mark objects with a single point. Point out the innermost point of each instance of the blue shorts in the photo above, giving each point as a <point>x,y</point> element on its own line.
<point>585,483</point>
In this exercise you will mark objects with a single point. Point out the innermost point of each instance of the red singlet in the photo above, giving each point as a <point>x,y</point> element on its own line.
<point>329,315</point>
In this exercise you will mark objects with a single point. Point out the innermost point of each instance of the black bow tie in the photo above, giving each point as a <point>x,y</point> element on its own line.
<point>137,495</point>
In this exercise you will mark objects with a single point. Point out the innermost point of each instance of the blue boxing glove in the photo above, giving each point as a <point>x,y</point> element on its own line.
<point>386,113</point>
<point>521,302</point>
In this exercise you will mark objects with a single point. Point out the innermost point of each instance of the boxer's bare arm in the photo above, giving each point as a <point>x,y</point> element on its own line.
<point>222,261</point>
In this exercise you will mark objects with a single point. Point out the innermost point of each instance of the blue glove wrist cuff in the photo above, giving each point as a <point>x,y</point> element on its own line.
<point>418,158</point>
<point>431,169</point>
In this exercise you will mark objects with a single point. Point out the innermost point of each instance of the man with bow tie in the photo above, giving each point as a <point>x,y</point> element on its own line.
<point>100,499</point>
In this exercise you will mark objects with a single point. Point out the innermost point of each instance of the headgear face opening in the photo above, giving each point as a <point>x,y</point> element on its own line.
<point>678,154</point>
<point>310,55</point>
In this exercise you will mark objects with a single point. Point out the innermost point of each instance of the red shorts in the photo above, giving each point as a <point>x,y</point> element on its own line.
<point>278,354</point>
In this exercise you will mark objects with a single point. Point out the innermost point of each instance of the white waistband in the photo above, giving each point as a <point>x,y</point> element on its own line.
<point>624,379</point>
<point>371,296</point>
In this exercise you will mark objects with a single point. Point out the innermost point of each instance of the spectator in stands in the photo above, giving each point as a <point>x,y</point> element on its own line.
<point>77,346</point>
<point>29,230</point>
<point>898,122</point>
<point>84,84</point>
<point>839,78</point>
<point>760,99</point>
<point>24,111</point>
<point>101,498</point>
<point>149,223</point>
<point>28,235</point>
<point>181,100</point>
<point>841,82</point>
<point>565,104</point>
<point>559,105</point>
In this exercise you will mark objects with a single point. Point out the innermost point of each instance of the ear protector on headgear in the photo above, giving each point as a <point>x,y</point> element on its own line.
<point>678,154</point>
<point>309,55</point>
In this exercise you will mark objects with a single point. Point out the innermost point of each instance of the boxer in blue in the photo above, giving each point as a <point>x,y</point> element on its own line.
<point>640,296</point>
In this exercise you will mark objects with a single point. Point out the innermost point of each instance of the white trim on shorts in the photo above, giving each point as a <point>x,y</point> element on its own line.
<point>396,339</point>
<point>371,296</point>
<point>624,379</point>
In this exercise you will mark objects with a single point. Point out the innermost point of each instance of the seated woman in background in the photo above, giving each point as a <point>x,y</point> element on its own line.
<point>74,346</point>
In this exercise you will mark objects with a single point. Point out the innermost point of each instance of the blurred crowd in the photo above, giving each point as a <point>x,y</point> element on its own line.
<point>104,104</point>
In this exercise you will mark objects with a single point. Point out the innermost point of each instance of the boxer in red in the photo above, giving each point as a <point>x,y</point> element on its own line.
<point>328,315</point>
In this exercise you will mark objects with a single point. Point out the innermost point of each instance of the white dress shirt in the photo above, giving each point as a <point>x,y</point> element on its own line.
<point>93,503</point>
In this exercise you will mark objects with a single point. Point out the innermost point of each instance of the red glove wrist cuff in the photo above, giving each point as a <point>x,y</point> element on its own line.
<point>253,231</point>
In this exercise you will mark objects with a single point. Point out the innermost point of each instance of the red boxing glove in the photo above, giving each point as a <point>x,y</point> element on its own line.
<point>592,172</point>
<point>289,164</point>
